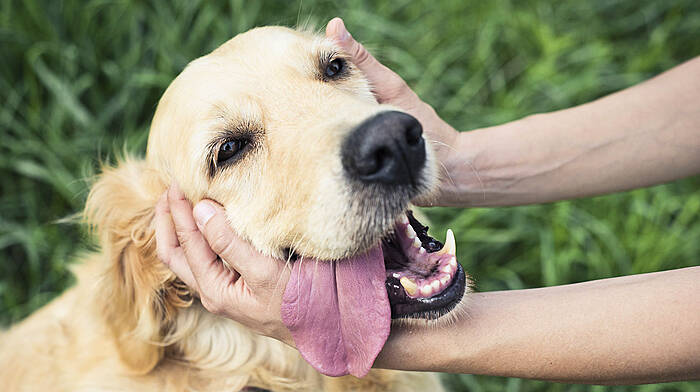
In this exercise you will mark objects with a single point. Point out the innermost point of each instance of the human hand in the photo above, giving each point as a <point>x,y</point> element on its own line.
<point>193,244</point>
<point>390,88</point>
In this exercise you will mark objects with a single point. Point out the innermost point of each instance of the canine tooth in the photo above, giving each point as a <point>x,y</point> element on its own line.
<point>450,244</point>
<point>421,251</point>
<point>410,286</point>
<point>426,290</point>
<point>404,219</point>
<point>410,233</point>
<point>435,285</point>
<point>395,275</point>
<point>416,243</point>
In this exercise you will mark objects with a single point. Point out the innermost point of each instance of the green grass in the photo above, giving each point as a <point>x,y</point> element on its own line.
<point>80,79</point>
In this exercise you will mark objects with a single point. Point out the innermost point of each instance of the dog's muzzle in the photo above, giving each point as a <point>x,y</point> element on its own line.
<point>387,148</point>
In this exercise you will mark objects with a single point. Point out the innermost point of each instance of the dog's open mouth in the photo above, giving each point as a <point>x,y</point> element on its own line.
<point>339,311</point>
<point>423,278</point>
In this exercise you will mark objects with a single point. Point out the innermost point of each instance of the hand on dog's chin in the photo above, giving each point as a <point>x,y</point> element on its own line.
<point>240,284</point>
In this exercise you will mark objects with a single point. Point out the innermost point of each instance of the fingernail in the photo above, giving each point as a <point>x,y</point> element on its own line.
<point>343,33</point>
<point>203,211</point>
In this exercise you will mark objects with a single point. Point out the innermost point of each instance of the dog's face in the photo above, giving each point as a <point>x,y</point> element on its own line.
<point>280,128</point>
<point>261,125</point>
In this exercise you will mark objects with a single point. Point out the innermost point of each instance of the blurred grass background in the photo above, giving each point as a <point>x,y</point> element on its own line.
<point>79,80</point>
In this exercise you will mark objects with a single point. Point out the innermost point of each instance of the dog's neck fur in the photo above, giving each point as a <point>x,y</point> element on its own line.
<point>226,350</point>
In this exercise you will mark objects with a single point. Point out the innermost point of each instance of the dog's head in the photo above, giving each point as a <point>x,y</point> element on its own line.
<point>282,129</point>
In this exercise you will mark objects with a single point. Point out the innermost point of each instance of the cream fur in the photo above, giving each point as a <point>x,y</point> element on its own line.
<point>129,323</point>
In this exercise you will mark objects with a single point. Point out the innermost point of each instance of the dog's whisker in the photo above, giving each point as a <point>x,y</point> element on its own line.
<point>478,177</point>
<point>298,26</point>
<point>466,162</point>
<point>447,172</point>
<point>287,265</point>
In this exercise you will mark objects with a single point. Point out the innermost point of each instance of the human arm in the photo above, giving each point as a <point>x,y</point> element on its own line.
<point>645,135</point>
<point>627,330</point>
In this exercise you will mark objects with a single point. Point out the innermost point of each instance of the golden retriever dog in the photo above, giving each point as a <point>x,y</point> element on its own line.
<point>280,128</point>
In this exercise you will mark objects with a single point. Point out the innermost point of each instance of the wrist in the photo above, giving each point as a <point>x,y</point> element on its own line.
<point>453,346</point>
<point>485,167</point>
<point>442,139</point>
<point>461,182</point>
<point>437,130</point>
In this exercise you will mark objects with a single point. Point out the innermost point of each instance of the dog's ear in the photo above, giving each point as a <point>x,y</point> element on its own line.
<point>137,293</point>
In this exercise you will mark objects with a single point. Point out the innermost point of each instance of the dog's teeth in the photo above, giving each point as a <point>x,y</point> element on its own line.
<point>426,290</point>
<point>416,243</point>
<point>403,219</point>
<point>395,275</point>
<point>410,286</point>
<point>410,233</point>
<point>444,279</point>
<point>450,248</point>
<point>421,251</point>
<point>435,285</point>
<point>453,263</point>
<point>447,269</point>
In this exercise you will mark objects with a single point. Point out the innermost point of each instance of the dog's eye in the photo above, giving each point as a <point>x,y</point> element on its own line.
<point>230,149</point>
<point>335,68</point>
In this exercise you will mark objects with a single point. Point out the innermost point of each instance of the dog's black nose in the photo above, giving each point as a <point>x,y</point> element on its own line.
<point>387,148</point>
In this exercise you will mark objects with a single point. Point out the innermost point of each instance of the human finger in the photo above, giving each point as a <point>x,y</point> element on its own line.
<point>168,248</point>
<point>253,266</point>
<point>208,272</point>
<point>386,83</point>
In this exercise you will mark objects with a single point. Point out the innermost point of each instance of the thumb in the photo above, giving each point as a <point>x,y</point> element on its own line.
<point>359,55</point>
<point>387,84</point>
<point>239,254</point>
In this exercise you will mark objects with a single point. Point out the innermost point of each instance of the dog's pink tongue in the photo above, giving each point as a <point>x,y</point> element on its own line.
<point>338,312</point>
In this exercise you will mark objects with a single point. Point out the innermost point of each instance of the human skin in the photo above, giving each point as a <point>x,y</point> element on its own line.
<point>627,330</point>
<point>635,329</point>
<point>645,135</point>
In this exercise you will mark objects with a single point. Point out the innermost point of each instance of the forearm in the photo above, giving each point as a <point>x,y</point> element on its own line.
<point>645,135</point>
<point>628,330</point>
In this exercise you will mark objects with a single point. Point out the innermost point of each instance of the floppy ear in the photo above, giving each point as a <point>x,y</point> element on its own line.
<point>137,293</point>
